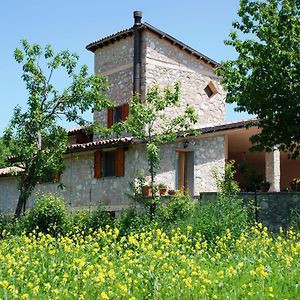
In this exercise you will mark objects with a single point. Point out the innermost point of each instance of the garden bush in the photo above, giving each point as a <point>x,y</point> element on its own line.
<point>131,220</point>
<point>175,210</point>
<point>227,211</point>
<point>48,215</point>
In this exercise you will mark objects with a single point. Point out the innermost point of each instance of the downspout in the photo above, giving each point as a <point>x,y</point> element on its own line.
<point>137,53</point>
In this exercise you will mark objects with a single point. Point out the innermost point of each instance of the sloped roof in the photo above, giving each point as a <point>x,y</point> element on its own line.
<point>112,142</point>
<point>145,26</point>
<point>123,141</point>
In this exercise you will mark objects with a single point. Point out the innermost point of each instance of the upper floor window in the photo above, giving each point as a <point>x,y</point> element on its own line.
<point>210,90</point>
<point>117,114</point>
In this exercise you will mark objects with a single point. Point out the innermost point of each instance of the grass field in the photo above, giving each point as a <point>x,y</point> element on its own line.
<point>150,265</point>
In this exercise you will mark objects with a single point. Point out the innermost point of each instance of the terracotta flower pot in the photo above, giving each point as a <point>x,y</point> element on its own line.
<point>162,191</point>
<point>147,191</point>
<point>171,192</point>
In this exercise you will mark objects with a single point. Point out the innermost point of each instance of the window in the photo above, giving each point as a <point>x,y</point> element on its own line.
<point>117,114</point>
<point>82,138</point>
<point>210,90</point>
<point>109,163</point>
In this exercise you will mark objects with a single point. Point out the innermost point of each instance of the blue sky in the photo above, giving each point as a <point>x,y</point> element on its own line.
<point>67,24</point>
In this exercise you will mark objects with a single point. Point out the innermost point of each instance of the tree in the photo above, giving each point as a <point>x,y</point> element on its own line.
<point>35,139</point>
<point>264,79</point>
<point>149,123</point>
<point>4,153</point>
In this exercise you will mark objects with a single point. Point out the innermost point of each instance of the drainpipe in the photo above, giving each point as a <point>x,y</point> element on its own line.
<point>137,52</point>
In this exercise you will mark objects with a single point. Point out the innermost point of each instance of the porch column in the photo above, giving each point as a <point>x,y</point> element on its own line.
<point>272,164</point>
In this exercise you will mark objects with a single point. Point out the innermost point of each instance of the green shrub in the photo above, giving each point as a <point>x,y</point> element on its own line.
<point>130,220</point>
<point>84,220</point>
<point>295,219</point>
<point>213,218</point>
<point>100,218</point>
<point>78,221</point>
<point>48,215</point>
<point>177,209</point>
<point>7,223</point>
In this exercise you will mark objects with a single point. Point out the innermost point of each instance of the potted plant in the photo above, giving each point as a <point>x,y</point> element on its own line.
<point>265,185</point>
<point>162,189</point>
<point>171,192</point>
<point>295,184</point>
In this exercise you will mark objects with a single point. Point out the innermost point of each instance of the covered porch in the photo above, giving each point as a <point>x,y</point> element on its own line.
<point>253,167</point>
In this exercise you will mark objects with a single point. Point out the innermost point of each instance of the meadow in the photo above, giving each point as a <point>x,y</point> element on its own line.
<point>150,264</point>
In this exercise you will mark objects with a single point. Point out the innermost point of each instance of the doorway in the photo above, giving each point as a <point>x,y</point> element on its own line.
<point>185,171</point>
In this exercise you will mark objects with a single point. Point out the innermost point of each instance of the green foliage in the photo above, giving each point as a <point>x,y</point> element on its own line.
<point>295,219</point>
<point>132,221</point>
<point>4,153</point>
<point>213,218</point>
<point>33,136</point>
<point>177,209</point>
<point>86,221</point>
<point>48,215</point>
<point>148,122</point>
<point>264,79</point>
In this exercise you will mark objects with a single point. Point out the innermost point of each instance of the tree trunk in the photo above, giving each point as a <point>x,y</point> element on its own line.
<point>26,189</point>
<point>21,205</point>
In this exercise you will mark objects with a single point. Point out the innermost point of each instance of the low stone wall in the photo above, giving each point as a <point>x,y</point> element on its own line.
<point>273,209</point>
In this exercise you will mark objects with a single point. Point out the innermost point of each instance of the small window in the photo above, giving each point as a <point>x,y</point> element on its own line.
<point>117,117</point>
<point>109,162</point>
<point>210,90</point>
<point>117,114</point>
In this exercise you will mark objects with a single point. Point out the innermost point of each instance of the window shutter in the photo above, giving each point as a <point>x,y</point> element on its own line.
<point>97,164</point>
<point>110,116</point>
<point>120,162</point>
<point>125,111</point>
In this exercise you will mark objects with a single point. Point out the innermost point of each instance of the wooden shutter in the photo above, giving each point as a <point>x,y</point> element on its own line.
<point>110,117</point>
<point>125,111</point>
<point>97,164</point>
<point>120,162</point>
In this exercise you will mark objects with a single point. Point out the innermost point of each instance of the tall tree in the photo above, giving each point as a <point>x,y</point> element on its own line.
<point>264,80</point>
<point>4,153</point>
<point>148,122</point>
<point>35,139</point>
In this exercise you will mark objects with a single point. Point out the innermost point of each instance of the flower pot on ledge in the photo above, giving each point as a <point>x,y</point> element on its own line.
<point>162,191</point>
<point>147,191</point>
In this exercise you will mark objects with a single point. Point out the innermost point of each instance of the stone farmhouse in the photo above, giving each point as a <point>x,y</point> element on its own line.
<point>99,170</point>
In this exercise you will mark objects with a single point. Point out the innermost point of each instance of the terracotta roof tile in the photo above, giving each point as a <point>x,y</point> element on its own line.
<point>100,144</point>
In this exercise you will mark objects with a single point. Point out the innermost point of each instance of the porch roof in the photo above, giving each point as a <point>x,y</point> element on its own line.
<point>123,141</point>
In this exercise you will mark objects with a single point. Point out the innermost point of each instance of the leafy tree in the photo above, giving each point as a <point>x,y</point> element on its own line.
<point>264,79</point>
<point>35,139</point>
<point>4,153</point>
<point>148,122</point>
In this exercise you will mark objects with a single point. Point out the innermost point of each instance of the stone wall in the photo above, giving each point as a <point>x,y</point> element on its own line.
<point>116,63</point>
<point>163,64</point>
<point>167,64</point>
<point>82,190</point>
<point>273,209</point>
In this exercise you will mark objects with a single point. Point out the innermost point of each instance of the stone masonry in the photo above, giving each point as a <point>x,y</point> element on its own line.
<point>82,190</point>
<point>162,64</point>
